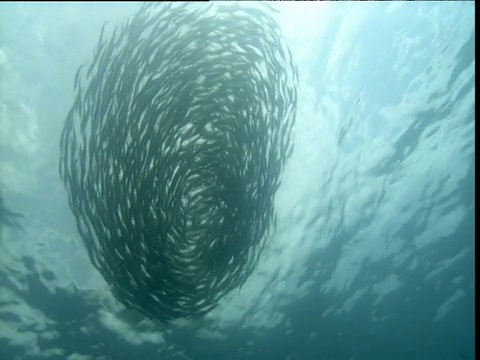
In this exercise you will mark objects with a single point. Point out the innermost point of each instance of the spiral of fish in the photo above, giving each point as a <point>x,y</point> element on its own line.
<point>173,149</point>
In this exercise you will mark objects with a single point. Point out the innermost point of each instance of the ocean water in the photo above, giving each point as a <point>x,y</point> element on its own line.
<point>372,256</point>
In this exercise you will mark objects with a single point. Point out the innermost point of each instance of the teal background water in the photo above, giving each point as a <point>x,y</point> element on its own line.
<point>373,255</point>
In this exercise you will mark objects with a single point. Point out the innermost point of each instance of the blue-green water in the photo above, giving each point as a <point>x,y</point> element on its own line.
<point>373,254</point>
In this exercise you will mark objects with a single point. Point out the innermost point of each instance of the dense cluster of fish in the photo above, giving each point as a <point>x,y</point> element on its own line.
<point>173,150</point>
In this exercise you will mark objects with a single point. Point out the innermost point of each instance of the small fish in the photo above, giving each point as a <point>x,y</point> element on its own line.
<point>8,217</point>
<point>173,150</point>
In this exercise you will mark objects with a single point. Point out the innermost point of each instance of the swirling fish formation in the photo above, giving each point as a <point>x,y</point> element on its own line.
<point>173,149</point>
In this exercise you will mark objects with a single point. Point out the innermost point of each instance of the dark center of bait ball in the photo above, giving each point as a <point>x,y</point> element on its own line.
<point>173,149</point>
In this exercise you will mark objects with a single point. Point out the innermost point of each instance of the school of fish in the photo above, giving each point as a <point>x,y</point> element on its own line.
<point>173,151</point>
